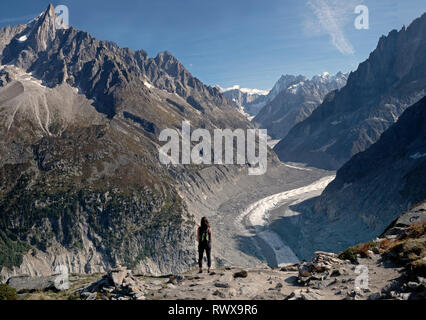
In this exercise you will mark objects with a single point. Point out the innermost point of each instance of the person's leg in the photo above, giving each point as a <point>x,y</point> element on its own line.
<point>200,257</point>
<point>209,257</point>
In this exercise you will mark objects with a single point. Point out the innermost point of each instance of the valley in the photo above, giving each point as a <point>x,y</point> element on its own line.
<point>241,208</point>
<point>336,181</point>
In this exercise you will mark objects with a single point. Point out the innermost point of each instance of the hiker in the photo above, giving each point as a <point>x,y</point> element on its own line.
<point>204,238</point>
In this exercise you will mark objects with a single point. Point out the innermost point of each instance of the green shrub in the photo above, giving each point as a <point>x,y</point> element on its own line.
<point>349,254</point>
<point>361,249</point>
<point>7,293</point>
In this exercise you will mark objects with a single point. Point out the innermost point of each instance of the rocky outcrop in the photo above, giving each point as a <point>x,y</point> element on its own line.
<point>376,94</point>
<point>118,284</point>
<point>26,283</point>
<point>296,102</point>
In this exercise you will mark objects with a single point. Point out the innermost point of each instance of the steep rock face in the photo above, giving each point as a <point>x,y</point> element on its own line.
<point>80,180</point>
<point>296,102</point>
<point>387,178</point>
<point>369,191</point>
<point>78,190</point>
<point>350,120</point>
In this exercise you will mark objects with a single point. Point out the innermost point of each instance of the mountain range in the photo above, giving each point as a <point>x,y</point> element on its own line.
<point>81,183</point>
<point>80,180</point>
<point>351,119</point>
<point>297,97</point>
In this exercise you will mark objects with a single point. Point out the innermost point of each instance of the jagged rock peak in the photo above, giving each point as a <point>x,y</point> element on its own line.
<point>43,29</point>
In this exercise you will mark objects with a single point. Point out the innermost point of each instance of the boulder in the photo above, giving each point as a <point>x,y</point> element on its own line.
<point>26,283</point>
<point>241,274</point>
<point>219,294</point>
<point>305,270</point>
<point>292,267</point>
<point>309,296</point>
<point>117,275</point>
<point>88,296</point>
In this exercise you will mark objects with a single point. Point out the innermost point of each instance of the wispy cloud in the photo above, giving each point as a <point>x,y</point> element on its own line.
<point>17,19</point>
<point>331,16</point>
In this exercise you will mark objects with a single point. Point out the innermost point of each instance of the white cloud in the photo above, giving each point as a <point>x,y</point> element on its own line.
<point>14,19</point>
<point>331,16</point>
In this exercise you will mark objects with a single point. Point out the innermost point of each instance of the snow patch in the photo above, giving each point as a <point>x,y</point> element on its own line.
<point>293,88</point>
<point>23,38</point>
<point>295,167</point>
<point>245,90</point>
<point>148,85</point>
<point>273,142</point>
<point>418,155</point>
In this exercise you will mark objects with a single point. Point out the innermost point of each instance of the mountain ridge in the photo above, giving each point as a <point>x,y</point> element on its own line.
<point>349,121</point>
<point>80,180</point>
<point>296,101</point>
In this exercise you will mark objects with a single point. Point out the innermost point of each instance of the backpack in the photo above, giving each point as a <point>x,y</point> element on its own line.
<point>204,236</point>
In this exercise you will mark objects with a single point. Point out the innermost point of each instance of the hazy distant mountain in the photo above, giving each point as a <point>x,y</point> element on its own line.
<point>80,180</point>
<point>295,101</point>
<point>246,100</point>
<point>253,100</point>
<point>351,119</point>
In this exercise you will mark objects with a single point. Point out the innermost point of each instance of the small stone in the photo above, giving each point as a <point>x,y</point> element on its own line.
<point>109,289</point>
<point>304,271</point>
<point>221,285</point>
<point>336,272</point>
<point>374,296</point>
<point>289,268</point>
<point>219,294</point>
<point>413,285</point>
<point>291,296</point>
<point>405,296</point>
<point>241,274</point>
<point>140,296</point>
<point>309,296</point>
<point>88,296</point>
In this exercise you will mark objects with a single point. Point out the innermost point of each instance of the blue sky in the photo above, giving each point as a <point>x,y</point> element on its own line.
<point>244,42</point>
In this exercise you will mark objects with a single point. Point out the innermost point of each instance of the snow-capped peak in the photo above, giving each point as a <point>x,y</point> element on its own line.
<point>245,90</point>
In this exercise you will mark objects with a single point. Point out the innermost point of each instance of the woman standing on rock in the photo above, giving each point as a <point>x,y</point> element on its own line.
<point>204,238</point>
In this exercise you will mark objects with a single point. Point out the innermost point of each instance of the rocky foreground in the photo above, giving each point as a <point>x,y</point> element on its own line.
<point>390,267</point>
